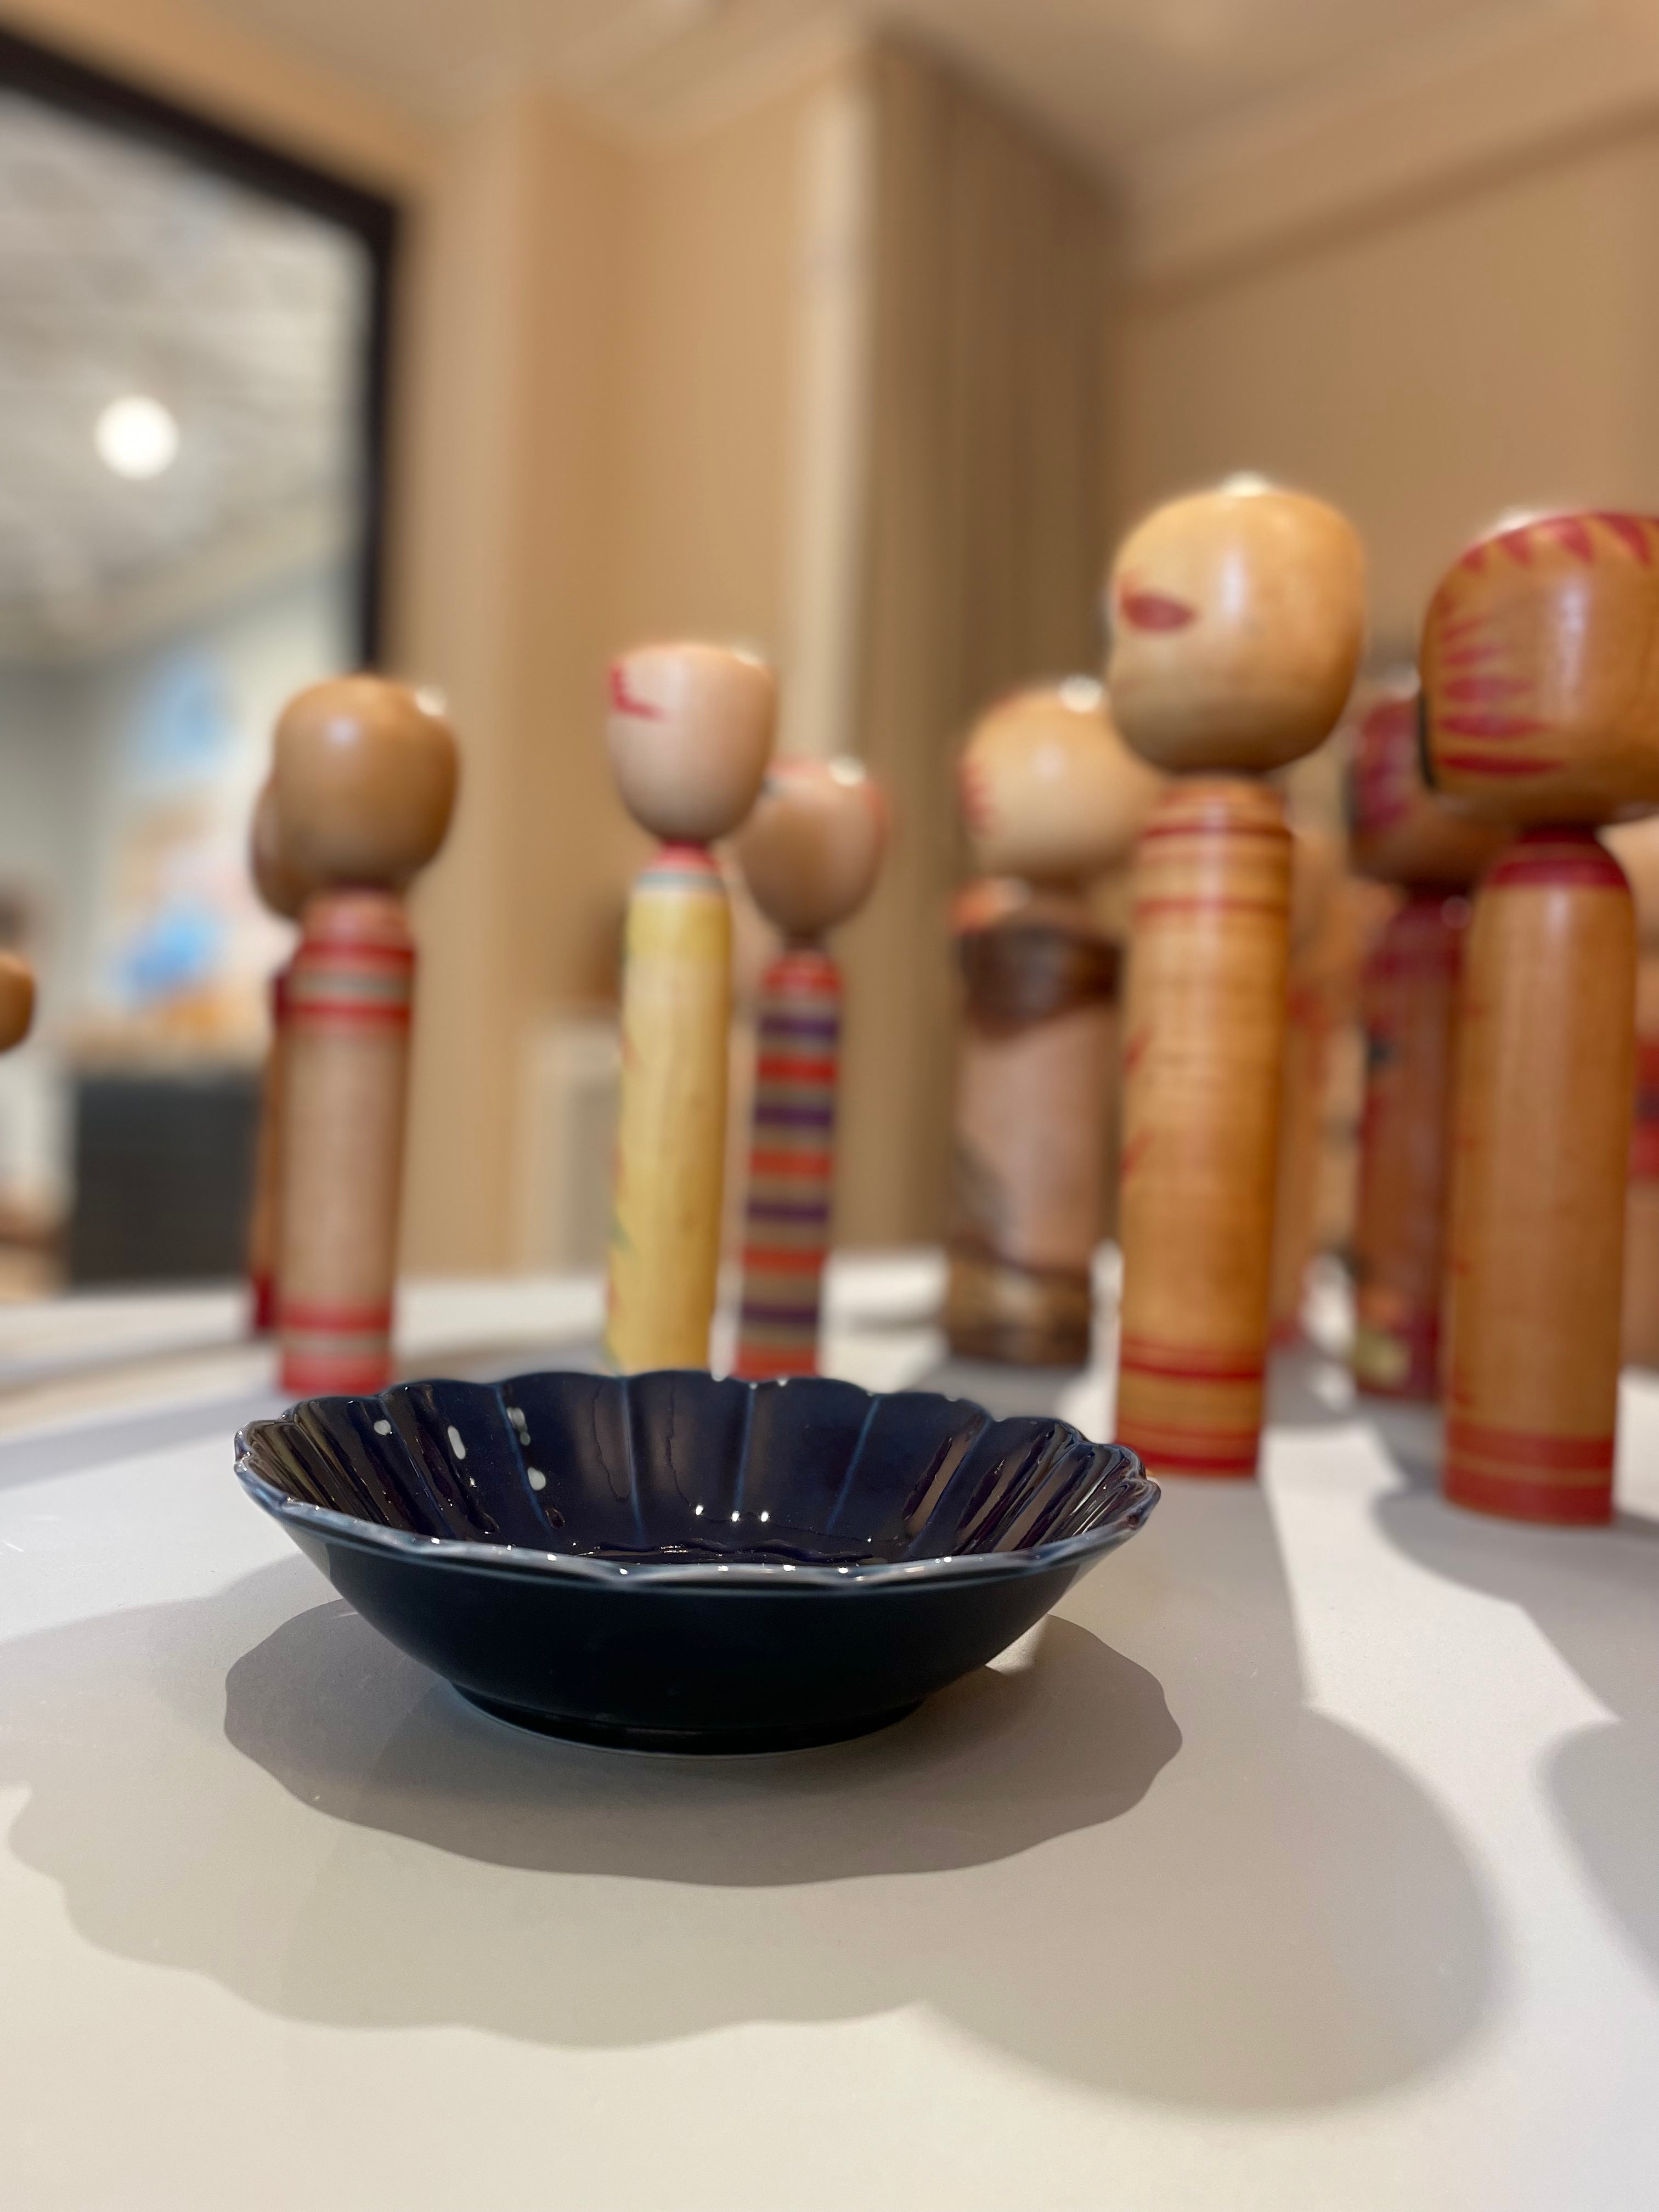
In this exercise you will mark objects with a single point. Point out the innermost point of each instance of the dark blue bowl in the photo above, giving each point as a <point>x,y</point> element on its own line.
<point>676,1563</point>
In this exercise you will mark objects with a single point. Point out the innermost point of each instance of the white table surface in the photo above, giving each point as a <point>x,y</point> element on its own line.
<point>1310,1861</point>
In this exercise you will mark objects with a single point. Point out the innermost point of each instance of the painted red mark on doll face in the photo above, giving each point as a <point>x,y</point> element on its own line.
<point>1153,611</point>
<point>1468,763</point>
<point>625,702</point>
<point>1572,533</point>
<point>1633,532</point>
<point>1486,690</point>
<point>1490,725</point>
<point>1464,628</point>
<point>1384,769</point>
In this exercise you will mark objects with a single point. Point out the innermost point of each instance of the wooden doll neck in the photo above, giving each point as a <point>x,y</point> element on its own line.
<point>356,916</point>
<point>1570,855</point>
<point>683,856</point>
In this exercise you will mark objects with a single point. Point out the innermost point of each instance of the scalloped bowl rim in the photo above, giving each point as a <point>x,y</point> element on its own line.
<point>521,1561</point>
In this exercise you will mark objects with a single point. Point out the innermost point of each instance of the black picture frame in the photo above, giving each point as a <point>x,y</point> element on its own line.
<point>118,105</point>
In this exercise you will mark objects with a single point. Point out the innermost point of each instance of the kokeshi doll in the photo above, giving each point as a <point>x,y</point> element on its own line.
<point>1400,833</point>
<point>16,1000</point>
<point>1640,1334</point>
<point>690,734</point>
<point>1050,797</point>
<point>364,776</point>
<point>809,854</point>
<point>1237,619</point>
<point>1310,1019</point>
<point>1540,685</point>
<point>284,889</point>
<point>1637,850</point>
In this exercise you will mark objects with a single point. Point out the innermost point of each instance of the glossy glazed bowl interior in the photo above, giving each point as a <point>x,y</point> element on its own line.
<point>671,1560</point>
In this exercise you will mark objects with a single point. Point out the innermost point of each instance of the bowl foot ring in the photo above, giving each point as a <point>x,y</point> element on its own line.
<point>697,1742</point>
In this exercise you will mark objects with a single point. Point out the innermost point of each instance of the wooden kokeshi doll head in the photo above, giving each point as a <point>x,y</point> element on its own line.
<point>1540,672</point>
<point>364,774</point>
<point>1238,616</point>
<point>812,844</point>
<point>1398,831</point>
<point>690,735</point>
<point>1049,791</point>
<point>281,886</point>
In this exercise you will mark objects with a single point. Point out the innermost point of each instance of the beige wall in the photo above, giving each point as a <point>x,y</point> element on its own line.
<point>992,260</point>
<point>704,381</point>
<point>1498,347</point>
<point>497,596</point>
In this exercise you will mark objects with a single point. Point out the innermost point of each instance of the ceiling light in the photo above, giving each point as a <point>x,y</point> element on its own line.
<point>136,436</point>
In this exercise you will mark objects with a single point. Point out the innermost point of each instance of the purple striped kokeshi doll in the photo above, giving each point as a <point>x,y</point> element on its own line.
<point>809,854</point>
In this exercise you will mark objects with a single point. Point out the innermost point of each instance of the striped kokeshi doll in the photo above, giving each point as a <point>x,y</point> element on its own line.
<point>1636,847</point>
<point>1541,695</point>
<point>363,784</point>
<point>809,854</point>
<point>1238,618</point>
<point>284,890</point>
<point>1401,835</point>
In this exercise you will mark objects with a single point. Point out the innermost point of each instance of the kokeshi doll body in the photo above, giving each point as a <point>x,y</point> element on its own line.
<point>284,889</point>
<point>1401,835</point>
<point>1051,797</point>
<point>262,1215</point>
<point>1410,1004</point>
<point>690,733</point>
<point>1237,619</point>
<point>349,1004</point>
<point>364,779</point>
<point>809,854</point>
<point>1311,1003</point>
<point>1641,1314</point>
<point>1541,679</point>
<point>1636,847</point>
<point>1035,1058</point>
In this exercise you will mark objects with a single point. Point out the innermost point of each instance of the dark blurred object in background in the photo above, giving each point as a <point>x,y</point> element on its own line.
<point>163,1174</point>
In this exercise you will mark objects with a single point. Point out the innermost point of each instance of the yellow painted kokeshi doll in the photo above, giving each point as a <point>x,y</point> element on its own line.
<point>363,775</point>
<point>1401,835</point>
<point>1051,797</point>
<point>690,735</point>
<point>1237,618</point>
<point>1541,688</point>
